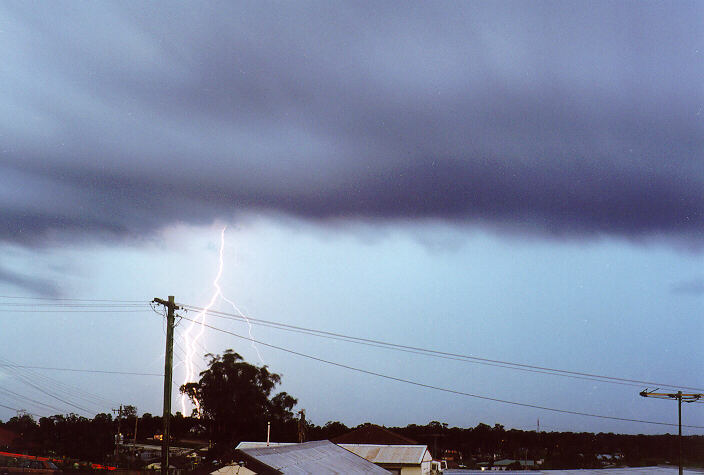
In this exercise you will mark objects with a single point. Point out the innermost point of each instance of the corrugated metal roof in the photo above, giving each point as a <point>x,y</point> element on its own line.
<point>259,445</point>
<point>319,457</point>
<point>233,470</point>
<point>391,454</point>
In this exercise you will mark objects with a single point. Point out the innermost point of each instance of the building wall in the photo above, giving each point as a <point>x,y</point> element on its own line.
<point>411,471</point>
<point>402,470</point>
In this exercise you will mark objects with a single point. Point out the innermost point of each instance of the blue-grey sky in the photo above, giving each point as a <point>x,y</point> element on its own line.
<point>516,181</point>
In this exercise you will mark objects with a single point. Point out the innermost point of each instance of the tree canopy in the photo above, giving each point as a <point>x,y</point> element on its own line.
<point>236,399</point>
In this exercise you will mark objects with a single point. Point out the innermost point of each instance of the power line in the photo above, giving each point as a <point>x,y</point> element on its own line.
<point>74,311</point>
<point>439,354</point>
<point>21,397</point>
<point>26,381</point>
<point>59,390</point>
<point>54,304</point>
<point>438,388</point>
<point>78,370</point>
<point>30,377</point>
<point>18,410</point>
<point>72,300</point>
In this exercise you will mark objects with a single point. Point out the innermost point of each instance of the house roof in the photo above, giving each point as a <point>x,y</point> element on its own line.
<point>320,457</point>
<point>233,470</point>
<point>259,445</point>
<point>372,434</point>
<point>391,454</point>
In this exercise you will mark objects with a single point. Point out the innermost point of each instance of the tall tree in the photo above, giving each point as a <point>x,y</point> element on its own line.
<point>236,399</point>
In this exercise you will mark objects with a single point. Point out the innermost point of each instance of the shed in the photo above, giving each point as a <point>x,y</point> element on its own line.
<point>398,459</point>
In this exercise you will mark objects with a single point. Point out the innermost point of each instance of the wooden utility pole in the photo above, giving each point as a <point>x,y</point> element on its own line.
<point>118,435</point>
<point>680,397</point>
<point>171,307</point>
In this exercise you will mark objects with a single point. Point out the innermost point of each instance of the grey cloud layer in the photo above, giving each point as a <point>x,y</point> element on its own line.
<point>560,118</point>
<point>38,286</point>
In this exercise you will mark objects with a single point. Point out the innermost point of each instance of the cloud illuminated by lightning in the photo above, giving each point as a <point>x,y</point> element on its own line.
<point>197,325</point>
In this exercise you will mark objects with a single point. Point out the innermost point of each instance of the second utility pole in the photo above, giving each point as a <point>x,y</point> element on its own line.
<point>171,307</point>
<point>680,397</point>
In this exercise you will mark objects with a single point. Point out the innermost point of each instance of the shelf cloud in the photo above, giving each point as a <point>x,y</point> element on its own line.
<point>123,118</point>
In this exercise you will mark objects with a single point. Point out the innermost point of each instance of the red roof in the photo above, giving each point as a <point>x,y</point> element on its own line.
<point>373,434</point>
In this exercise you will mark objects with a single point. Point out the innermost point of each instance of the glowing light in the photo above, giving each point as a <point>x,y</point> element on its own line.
<point>197,325</point>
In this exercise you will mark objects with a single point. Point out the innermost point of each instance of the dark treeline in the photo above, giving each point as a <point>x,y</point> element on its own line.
<point>94,440</point>
<point>559,450</point>
<point>78,437</point>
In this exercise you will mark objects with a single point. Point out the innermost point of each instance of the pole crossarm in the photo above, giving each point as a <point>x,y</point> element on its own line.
<point>166,303</point>
<point>685,397</point>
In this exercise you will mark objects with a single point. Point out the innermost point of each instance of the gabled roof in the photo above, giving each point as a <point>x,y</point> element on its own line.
<point>372,434</point>
<point>319,457</point>
<point>260,445</point>
<point>233,470</point>
<point>391,454</point>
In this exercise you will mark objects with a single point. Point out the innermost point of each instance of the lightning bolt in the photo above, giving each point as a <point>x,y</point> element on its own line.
<point>197,325</point>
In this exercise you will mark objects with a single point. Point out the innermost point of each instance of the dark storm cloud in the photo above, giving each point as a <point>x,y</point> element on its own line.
<point>689,287</point>
<point>41,287</point>
<point>569,119</point>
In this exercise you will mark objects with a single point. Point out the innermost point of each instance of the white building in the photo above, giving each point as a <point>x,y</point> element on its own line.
<point>397,459</point>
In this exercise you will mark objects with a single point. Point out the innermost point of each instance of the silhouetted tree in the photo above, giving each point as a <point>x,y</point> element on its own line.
<point>236,399</point>
<point>330,430</point>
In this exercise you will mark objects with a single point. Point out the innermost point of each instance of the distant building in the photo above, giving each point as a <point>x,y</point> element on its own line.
<point>319,457</point>
<point>395,452</point>
<point>511,464</point>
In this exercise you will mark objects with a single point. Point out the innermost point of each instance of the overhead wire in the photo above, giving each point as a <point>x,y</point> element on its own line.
<point>66,391</point>
<point>53,305</point>
<point>71,299</point>
<point>50,387</point>
<point>73,311</point>
<point>23,398</point>
<point>439,354</point>
<point>59,390</point>
<point>438,388</point>
<point>20,410</point>
<point>80,370</point>
<point>46,392</point>
<point>97,305</point>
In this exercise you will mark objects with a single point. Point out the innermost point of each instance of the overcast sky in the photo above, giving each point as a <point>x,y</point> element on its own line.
<point>511,180</point>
